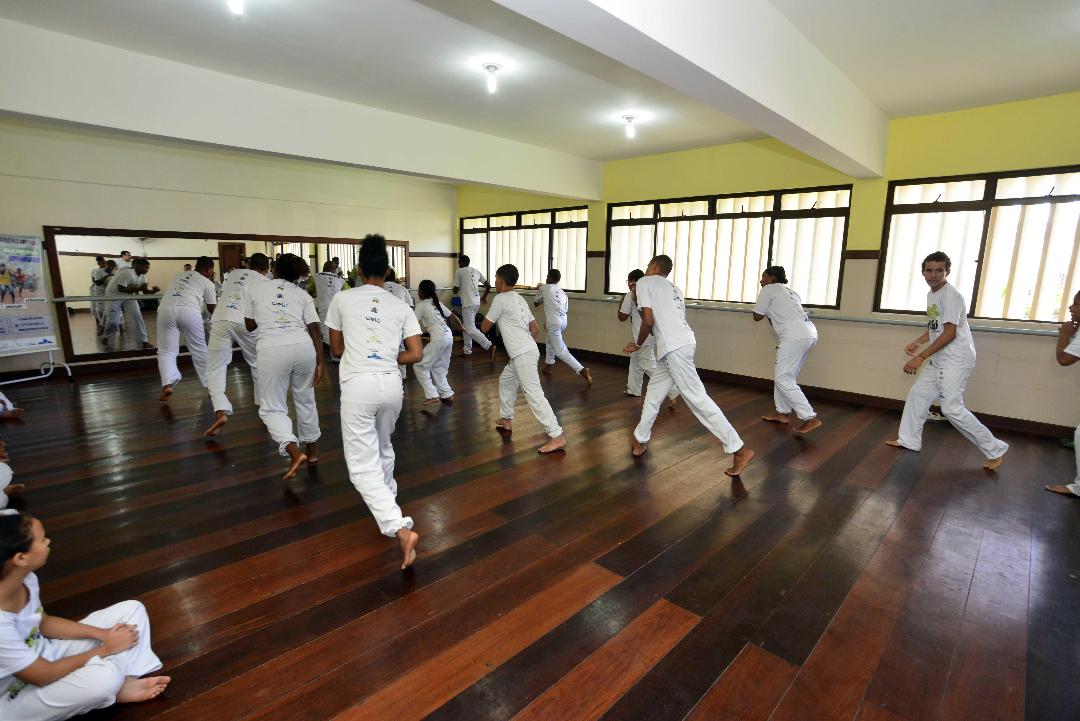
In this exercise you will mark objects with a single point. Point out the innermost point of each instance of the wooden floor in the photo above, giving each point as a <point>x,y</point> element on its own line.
<point>837,579</point>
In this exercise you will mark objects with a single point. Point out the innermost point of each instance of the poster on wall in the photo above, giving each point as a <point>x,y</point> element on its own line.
<point>26,323</point>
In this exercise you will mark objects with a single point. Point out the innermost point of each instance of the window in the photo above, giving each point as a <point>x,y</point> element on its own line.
<point>1013,239</point>
<point>720,244</point>
<point>535,241</point>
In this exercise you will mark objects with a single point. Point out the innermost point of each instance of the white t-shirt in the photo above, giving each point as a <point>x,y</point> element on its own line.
<point>121,263</point>
<point>189,290</point>
<point>669,313</point>
<point>1073,348</point>
<point>21,642</point>
<point>230,305</point>
<point>125,277</point>
<point>327,285</point>
<point>948,306</point>
<point>374,324</point>
<point>783,307</point>
<point>467,280</point>
<point>555,303</point>
<point>432,320</point>
<point>400,292</point>
<point>512,314</point>
<point>97,274</point>
<point>282,312</point>
<point>630,308</point>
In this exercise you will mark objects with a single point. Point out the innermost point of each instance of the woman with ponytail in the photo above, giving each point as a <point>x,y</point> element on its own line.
<point>52,668</point>
<point>367,327</point>
<point>431,371</point>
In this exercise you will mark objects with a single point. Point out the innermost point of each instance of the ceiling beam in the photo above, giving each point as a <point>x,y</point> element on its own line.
<point>742,57</point>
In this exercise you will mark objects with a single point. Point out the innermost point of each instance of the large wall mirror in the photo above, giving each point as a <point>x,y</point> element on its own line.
<point>80,297</point>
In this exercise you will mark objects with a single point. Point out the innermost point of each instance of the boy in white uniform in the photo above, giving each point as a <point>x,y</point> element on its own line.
<point>98,279</point>
<point>466,285</point>
<point>130,281</point>
<point>663,313</point>
<point>1068,352</point>
<point>953,359</point>
<point>226,327</point>
<point>796,336</point>
<point>327,284</point>
<point>367,327</point>
<point>556,307</point>
<point>643,361</point>
<point>401,293</point>
<point>125,260</point>
<point>433,317</point>
<point>181,310</point>
<point>519,330</point>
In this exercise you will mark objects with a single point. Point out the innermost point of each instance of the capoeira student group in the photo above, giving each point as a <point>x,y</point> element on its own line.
<point>53,668</point>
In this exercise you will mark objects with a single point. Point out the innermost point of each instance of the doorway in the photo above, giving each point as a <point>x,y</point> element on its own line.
<point>229,257</point>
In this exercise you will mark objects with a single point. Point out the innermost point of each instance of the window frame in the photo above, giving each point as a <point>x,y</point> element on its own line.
<point>986,205</point>
<point>551,228</point>
<point>773,215</point>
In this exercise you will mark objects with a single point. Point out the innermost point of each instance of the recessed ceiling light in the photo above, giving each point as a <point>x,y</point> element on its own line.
<point>237,6</point>
<point>631,131</point>
<point>492,83</point>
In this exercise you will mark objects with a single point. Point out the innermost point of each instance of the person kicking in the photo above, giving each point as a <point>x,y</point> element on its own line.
<point>1068,352</point>
<point>663,313</point>
<point>556,306</point>
<point>952,351</point>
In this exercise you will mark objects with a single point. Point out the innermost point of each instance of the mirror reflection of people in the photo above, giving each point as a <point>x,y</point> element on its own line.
<point>125,260</point>
<point>110,271</point>
<point>180,311</point>
<point>98,278</point>
<point>129,281</point>
<point>187,267</point>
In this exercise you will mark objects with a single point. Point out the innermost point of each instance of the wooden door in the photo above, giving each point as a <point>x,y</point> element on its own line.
<point>229,257</point>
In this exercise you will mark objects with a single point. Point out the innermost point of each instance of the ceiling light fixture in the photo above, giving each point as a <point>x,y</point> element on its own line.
<point>492,83</point>
<point>631,131</point>
<point>237,6</point>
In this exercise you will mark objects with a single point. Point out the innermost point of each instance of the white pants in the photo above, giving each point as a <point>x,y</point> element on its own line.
<point>556,348</point>
<point>118,309</point>
<point>677,369</point>
<point>1075,485</point>
<point>370,405</point>
<point>431,370</point>
<point>787,396</point>
<point>96,684</point>
<point>946,384</point>
<point>469,330</point>
<point>643,362</point>
<point>522,371</point>
<point>323,327</point>
<point>97,307</point>
<point>219,355</point>
<point>281,369</point>
<point>171,321</point>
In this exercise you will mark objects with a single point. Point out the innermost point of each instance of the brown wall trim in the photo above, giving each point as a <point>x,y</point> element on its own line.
<point>594,254</point>
<point>425,254</point>
<point>148,257</point>
<point>862,254</point>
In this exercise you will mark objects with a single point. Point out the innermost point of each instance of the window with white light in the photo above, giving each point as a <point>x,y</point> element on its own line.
<point>1013,238</point>
<point>533,240</point>
<point>720,244</point>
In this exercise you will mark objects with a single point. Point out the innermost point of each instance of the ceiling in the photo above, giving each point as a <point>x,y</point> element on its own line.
<point>929,56</point>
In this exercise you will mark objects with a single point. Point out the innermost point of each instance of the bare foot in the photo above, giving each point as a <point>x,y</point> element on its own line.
<point>12,413</point>
<point>298,459</point>
<point>894,444</point>
<point>448,399</point>
<point>431,401</point>
<point>408,540</point>
<point>504,424</point>
<point>637,450</point>
<point>1064,490</point>
<point>741,458</point>
<point>221,418</point>
<point>776,418</point>
<point>546,370</point>
<point>135,690</point>
<point>584,372</point>
<point>994,463</point>
<point>494,350</point>
<point>16,488</point>
<point>313,452</point>
<point>555,444</point>
<point>808,425</point>
<point>166,391</point>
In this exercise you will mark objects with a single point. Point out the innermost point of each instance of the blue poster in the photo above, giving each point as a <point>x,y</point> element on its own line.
<point>26,321</point>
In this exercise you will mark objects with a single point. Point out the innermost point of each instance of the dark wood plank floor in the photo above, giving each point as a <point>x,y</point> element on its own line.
<point>837,579</point>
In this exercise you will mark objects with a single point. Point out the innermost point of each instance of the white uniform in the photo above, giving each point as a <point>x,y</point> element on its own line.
<point>226,327</point>
<point>1073,349</point>
<point>327,285</point>
<point>374,324</point>
<point>796,336</point>
<point>120,309</point>
<point>181,310</point>
<point>467,280</point>
<point>644,360</point>
<point>675,346</point>
<point>401,293</point>
<point>121,264</point>
<point>431,371</point>
<point>944,377</point>
<point>512,314</point>
<point>93,686</point>
<point>556,308</point>
<point>286,359</point>
<point>98,288</point>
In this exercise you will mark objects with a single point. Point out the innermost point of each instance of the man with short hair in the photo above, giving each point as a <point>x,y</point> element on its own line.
<point>180,311</point>
<point>663,314</point>
<point>466,285</point>
<point>99,278</point>
<point>328,283</point>
<point>124,261</point>
<point>556,308</point>
<point>951,356</point>
<point>129,281</point>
